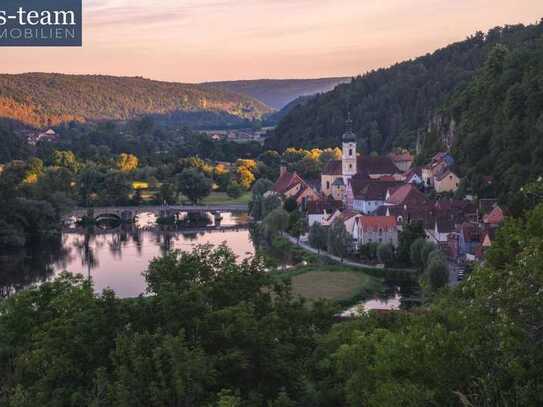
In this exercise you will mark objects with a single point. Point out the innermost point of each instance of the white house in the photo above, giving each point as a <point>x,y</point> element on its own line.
<point>375,229</point>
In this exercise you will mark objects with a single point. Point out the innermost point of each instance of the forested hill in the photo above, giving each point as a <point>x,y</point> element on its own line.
<point>42,99</point>
<point>392,106</point>
<point>277,93</point>
<point>499,122</point>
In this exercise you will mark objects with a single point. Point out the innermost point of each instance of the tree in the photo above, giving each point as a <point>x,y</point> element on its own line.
<point>290,204</point>
<point>127,162</point>
<point>90,180</point>
<point>161,369</point>
<point>194,185</point>
<point>340,242</point>
<point>261,186</point>
<point>228,399</point>
<point>280,249</point>
<point>318,237</point>
<point>426,250</point>
<point>245,177</point>
<point>234,190</point>
<point>309,167</point>
<point>385,253</point>
<point>415,253</point>
<point>66,159</point>
<point>297,224</point>
<point>437,273</point>
<point>261,206</point>
<point>410,233</point>
<point>330,154</point>
<point>117,189</point>
<point>276,222</point>
<point>166,193</point>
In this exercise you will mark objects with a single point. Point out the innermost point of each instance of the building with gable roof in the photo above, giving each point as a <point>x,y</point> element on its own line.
<point>291,185</point>
<point>318,211</point>
<point>446,181</point>
<point>374,229</point>
<point>371,194</point>
<point>495,217</point>
<point>403,160</point>
<point>406,195</point>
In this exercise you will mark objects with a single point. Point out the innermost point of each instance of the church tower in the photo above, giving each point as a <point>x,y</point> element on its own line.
<point>349,151</point>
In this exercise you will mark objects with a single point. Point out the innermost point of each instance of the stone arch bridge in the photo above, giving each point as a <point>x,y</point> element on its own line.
<point>129,213</point>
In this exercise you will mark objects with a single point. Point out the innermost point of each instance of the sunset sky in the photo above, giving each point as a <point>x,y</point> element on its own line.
<point>203,40</point>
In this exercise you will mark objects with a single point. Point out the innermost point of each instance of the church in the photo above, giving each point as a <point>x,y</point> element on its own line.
<point>340,177</point>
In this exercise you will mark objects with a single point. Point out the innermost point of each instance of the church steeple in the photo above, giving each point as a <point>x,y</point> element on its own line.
<point>349,135</point>
<point>349,150</point>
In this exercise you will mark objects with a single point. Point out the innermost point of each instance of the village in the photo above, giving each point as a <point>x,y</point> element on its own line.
<point>376,197</point>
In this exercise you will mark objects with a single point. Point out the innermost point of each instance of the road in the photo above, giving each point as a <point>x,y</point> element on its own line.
<point>310,249</point>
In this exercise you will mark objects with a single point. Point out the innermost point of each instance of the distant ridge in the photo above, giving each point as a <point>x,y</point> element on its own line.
<point>277,93</point>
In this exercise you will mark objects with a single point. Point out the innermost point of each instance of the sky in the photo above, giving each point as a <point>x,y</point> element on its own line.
<point>206,40</point>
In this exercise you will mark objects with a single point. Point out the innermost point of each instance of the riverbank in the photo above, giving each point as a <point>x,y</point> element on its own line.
<point>302,244</point>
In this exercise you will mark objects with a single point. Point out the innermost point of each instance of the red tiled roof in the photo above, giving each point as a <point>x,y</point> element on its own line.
<point>376,165</point>
<point>486,205</point>
<point>375,190</point>
<point>406,194</point>
<point>366,165</point>
<point>495,217</point>
<point>333,167</point>
<point>374,223</point>
<point>287,181</point>
<point>318,207</point>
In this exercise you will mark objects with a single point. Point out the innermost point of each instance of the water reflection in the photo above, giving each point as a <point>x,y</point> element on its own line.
<point>21,268</point>
<point>397,294</point>
<point>116,258</point>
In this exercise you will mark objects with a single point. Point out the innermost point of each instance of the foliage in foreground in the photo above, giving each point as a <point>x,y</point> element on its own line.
<point>215,333</point>
<point>208,325</point>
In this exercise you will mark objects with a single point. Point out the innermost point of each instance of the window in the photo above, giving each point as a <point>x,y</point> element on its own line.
<point>350,166</point>
<point>327,184</point>
<point>350,152</point>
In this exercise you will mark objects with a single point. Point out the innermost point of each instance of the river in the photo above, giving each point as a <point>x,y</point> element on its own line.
<point>116,258</point>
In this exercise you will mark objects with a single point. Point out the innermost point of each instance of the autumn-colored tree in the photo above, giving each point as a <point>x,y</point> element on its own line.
<point>127,162</point>
<point>245,177</point>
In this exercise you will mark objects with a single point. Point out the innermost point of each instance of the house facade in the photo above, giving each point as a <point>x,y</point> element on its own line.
<point>448,181</point>
<point>291,185</point>
<point>374,229</point>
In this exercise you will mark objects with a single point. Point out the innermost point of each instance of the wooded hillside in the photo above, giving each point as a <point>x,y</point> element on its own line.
<point>42,99</point>
<point>393,106</point>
